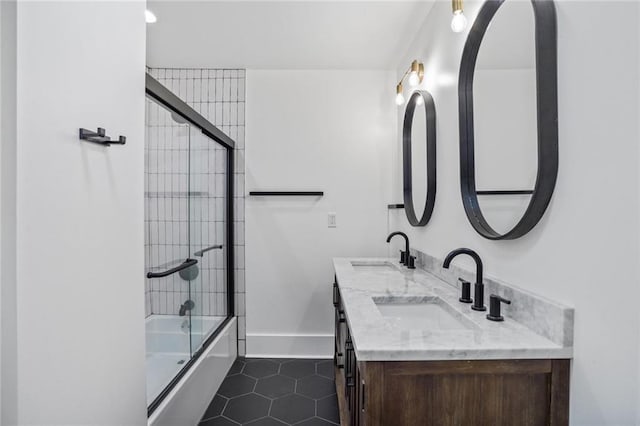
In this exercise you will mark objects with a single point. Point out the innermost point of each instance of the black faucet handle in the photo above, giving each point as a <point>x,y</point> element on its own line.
<point>466,291</point>
<point>411,264</point>
<point>494,307</point>
<point>403,257</point>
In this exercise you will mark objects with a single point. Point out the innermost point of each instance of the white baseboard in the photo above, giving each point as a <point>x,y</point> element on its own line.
<point>290,346</point>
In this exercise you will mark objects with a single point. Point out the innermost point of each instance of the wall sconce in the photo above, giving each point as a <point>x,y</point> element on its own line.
<point>399,95</point>
<point>459,21</point>
<point>416,75</point>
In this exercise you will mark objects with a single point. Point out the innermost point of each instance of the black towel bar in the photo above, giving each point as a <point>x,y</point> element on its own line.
<point>286,193</point>
<point>184,265</point>
<point>100,137</point>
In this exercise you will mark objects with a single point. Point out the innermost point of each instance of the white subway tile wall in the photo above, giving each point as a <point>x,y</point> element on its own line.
<point>219,96</point>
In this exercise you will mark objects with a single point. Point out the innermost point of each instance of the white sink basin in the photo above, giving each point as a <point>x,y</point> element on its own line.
<point>426,313</point>
<point>373,266</point>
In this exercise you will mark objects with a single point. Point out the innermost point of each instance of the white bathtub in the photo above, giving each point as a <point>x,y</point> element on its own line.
<point>188,399</point>
<point>169,346</point>
<point>170,333</point>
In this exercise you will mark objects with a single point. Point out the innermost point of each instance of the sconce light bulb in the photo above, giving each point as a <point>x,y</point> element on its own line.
<point>399,96</point>
<point>414,79</point>
<point>458,22</point>
<point>419,100</point>
<point>150,17</point>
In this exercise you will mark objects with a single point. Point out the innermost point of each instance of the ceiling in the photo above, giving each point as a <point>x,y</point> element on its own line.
<point>283,34</point>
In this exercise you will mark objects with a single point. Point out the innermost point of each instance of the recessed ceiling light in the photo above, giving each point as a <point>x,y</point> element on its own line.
<point>149,17</point>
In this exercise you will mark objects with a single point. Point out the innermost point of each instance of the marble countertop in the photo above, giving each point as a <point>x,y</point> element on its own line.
<point>380,338</point>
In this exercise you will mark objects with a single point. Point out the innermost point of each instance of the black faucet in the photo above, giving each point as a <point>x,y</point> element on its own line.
<point>478,300</point>
<point>405,256</point>
<point>188,305</point>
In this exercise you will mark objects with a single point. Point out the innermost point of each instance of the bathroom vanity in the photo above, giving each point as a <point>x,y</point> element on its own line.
<point>408,352</point>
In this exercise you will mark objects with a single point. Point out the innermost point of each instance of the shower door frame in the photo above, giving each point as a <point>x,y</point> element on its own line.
<point>159,93</point>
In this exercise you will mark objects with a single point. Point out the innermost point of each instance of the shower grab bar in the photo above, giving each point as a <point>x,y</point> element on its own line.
<point>184,265</point>
<point>199,253</point>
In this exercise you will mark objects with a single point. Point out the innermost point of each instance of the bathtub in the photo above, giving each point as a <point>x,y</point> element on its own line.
<point>169,346</point>
<point>188,399</point>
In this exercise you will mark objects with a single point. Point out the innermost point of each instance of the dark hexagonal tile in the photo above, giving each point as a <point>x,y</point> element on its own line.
<point>315,422</point>
<point>246,408</point>
<point>261,368</point>
<point>267,421</point>
<point>316,387</point>
<point>327,408</point>
<point>298,368</point>
<point>215,407</point>
<point>218,421</point>
<point>293,408</point>
<point>275,386</point>
<point>325,369</point>
<point>236,385</point>
<point>236,367</point>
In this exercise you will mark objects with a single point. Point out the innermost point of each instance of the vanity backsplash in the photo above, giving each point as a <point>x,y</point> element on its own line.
<point>550,319</point>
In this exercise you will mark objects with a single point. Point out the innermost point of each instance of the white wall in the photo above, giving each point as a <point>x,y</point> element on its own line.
<point>311,130</point>
<point>585,251</point>
<point>80,264</point>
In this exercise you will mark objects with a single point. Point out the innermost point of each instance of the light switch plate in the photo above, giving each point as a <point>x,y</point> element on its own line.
<point>331,220</point>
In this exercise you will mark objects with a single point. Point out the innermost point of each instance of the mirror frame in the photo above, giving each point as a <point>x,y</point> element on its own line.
<point>547,120</point>
<point>407,183</point>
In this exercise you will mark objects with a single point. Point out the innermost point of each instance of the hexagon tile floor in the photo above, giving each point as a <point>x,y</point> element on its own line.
<point>275,392</point>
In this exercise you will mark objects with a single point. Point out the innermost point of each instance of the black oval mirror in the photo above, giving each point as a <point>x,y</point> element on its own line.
<point>419,157</point>
<point>534,80</point>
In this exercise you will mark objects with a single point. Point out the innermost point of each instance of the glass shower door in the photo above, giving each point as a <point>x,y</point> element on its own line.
<point>168,340</point>
<point>185,242</point>
<point>187,209</point>
<point>207,235</point>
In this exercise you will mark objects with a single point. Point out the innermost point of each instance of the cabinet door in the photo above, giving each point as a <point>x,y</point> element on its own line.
<point>352,375</point>
<point>340,326</point>
<point>478,393</point>
<point>348,368</point>
<point>362,412</point>
<point>356,412</point>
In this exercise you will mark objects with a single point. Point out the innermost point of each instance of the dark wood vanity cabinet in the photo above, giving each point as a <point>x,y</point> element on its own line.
<point>447,393</point>
<point>348,378</point>
<point>492,392</point>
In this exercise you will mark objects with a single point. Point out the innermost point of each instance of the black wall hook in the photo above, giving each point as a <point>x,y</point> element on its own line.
<point>100,137</point>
